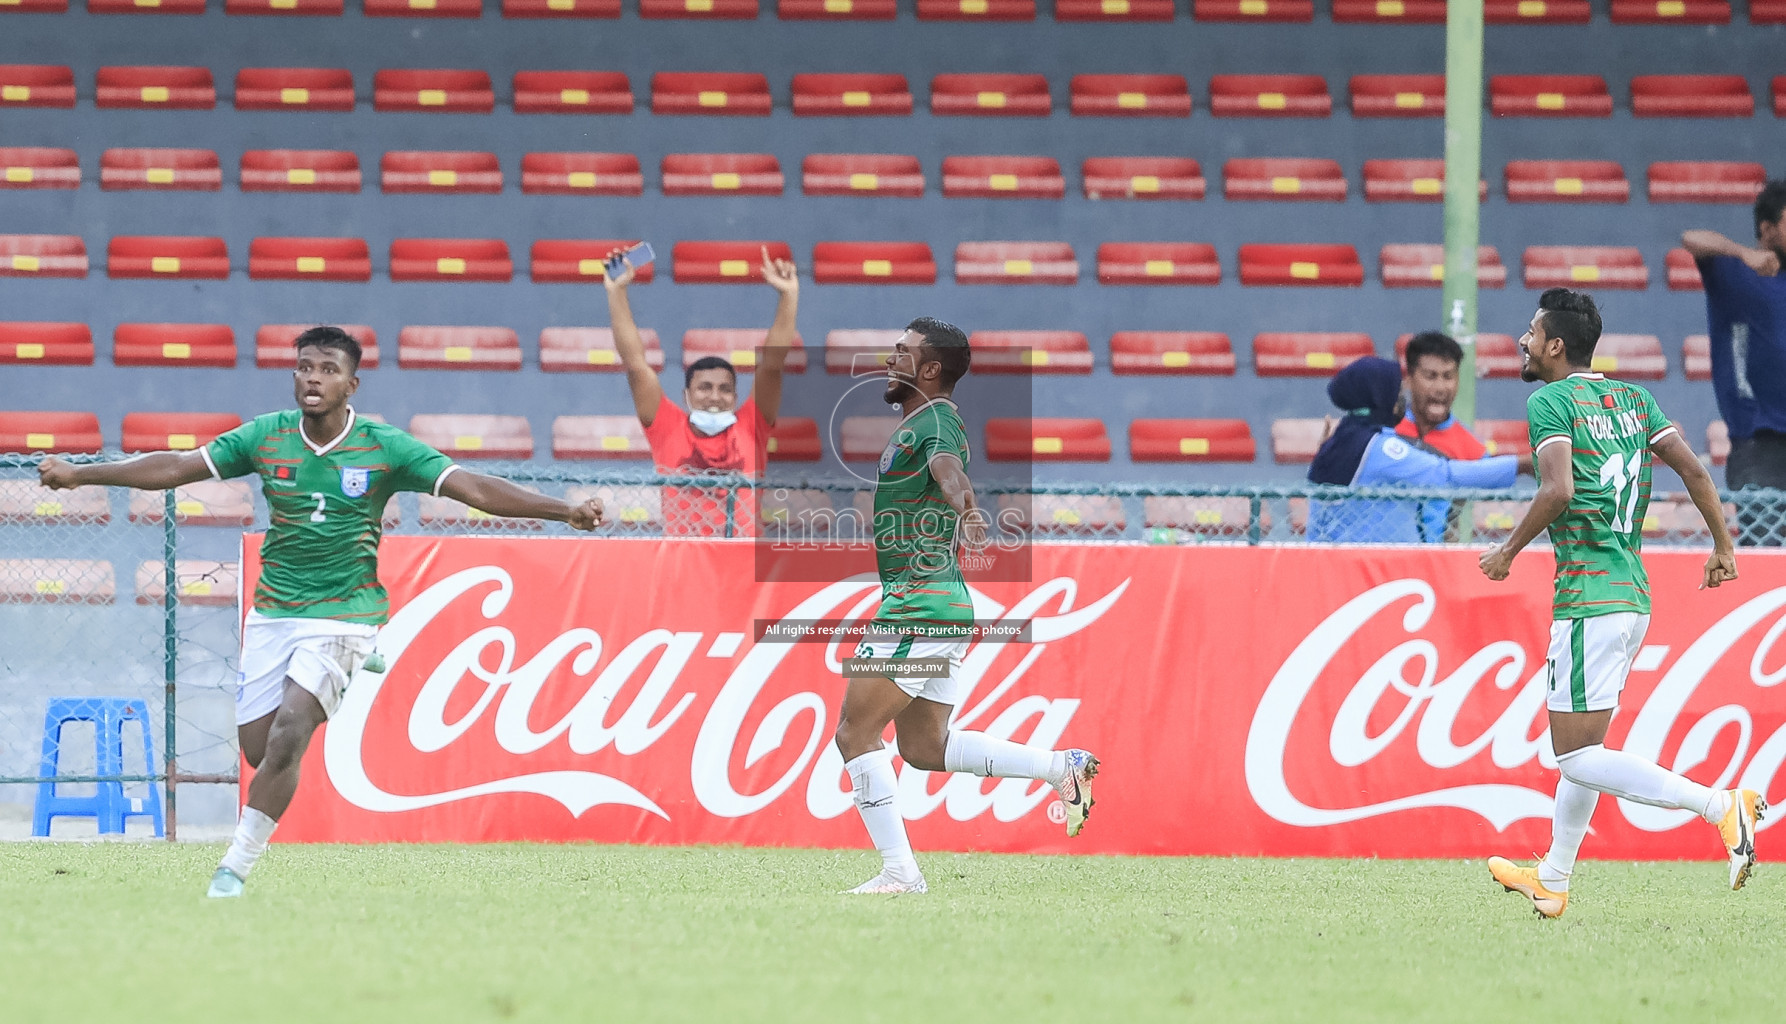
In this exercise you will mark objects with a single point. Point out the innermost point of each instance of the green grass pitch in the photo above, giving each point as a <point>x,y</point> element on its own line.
<point>122,932</point>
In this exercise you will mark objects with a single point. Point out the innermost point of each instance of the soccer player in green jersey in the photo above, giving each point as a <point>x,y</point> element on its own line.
<point>327,475</point>
<point>924,510</point>
<point>1592,439</point>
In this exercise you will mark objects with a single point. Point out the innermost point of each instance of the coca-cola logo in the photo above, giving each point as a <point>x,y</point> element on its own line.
<point>1410,672</point>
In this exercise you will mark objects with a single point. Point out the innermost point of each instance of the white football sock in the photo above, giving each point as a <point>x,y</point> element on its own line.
<point>876,785</point>
<point>1575,807</point>
<point>252,832</point>
<point>980,754</point>
<point>1630,777</point>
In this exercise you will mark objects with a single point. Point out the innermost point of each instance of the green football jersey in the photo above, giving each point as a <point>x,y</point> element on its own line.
<point>914,528</point>
<point>325,509</point>
<point>1609,426</point>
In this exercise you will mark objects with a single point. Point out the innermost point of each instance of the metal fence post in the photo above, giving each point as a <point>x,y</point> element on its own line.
<point>170,651</point>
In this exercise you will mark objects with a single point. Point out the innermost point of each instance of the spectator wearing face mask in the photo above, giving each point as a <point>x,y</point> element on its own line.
<point>715,434</point>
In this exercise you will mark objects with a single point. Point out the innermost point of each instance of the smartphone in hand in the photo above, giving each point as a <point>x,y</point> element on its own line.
<point>639,255</point>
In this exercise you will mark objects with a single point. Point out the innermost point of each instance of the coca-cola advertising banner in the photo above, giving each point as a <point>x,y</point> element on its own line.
<point>1244,701</point>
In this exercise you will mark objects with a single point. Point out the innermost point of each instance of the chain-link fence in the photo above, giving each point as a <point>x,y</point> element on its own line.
<point>98,636</point>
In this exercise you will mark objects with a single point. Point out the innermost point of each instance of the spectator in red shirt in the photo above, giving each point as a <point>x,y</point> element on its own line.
<point>716,434</point>
<point>1432,362</point>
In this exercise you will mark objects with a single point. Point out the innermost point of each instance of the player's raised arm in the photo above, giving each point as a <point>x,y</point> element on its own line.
<point>1704,244</point>
<point>784,277</point>
<point>1721,566</point>
<point>1555,490</point>
<point>159,471</point>
<point>640,377</point>
<point>500,498</point>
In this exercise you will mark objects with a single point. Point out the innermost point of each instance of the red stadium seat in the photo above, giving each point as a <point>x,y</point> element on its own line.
<point>1130,96</point>
<point>990,95</point>
<point>466,436</point>
<point>203,582</point>
<point>300,170</point>
<point>1064,514</point>
<point>1219,517</point>
<point>1408,181</point>
<point>1691,95</point>
<point>433,91</point>
<point>423,8</point>
<point>1191,441</point>
<point>554,261</point>
<point>167,256</point>
<point>34,343</point>
<point>1630,357</point>
<point>1015,263</point>
<point>1683,272</point>
<point>36,85</point>
<point>859,352</point>
<point>38,167</point>
<point>175,431</point>
<point>1158,263</point>
<point>27,501</point>
<point>586,174</point>
<point>309,259</point>
<point>174,345</point>
<point>591,349</point>
<point>1717,442</point>
<point>1191,353</point>
<point>572,92</point>
<point>1421,265</point>
<point>561,8</point>
<point>1398,95</point>
<point>1497,355</point>
<point>863,438</point>
<point>1283,178</point>
<point>1308,354</point>
<point>273,345</point>
<point>1671,12</point>
<point>1696,357</point>
<point>599,437</point>
<point>851,95</point>
<point>1549,96</point>
<point>795,439</point>
<point>25,433</point>
<point>160,169</point>
<point>976,10</point>
<point>1113,10</point>
<point>57,581</point>
<point>1253,10</point>
<point>1705,182</point>
<point>1002,177</point>
<point>172,88</point>
<point>1767,12</point>
<point>1565,266</point>
<point>310,8</point>
<point>723,262</point>
<point>1779,90</point>
<point>1030,352</point>
<point>1142,177</point>
<point>873,263</point>
<point>1504,437</point>
<point>861,174</point>
<point>43,256</point>
<point>837,10</point>
<point>1268,264</point>
<point>1296,440</point>
<point>710,92</point>
<point>738,346</point>
<point>1046,440</point>
<point>1269,96</point>
<point>721,174</point>
<point>39,7</point>
<point>458,348</point>
<point>450,259</point>
<point>1566,181</point>
<point>706,10</point>
<point>1409,12</point>
<point>294,89</point>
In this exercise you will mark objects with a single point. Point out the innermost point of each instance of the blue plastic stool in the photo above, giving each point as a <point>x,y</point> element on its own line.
<point>108,806</point>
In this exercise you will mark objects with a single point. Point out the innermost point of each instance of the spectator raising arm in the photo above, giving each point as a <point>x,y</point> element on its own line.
<point>784,277</point>
<point>640,377</point>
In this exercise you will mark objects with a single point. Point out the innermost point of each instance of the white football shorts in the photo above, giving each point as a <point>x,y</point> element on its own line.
<point>1590,658</point>
<point>321,655</point>
<point>882,646</point>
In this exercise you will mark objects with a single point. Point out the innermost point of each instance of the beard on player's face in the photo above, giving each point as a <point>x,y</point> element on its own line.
<point>898,391</point>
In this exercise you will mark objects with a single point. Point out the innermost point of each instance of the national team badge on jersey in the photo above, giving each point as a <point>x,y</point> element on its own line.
<point>887,454</point>
<point>355,480</point>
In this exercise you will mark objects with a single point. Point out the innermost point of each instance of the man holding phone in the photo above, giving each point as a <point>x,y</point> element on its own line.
<point>715,434</point>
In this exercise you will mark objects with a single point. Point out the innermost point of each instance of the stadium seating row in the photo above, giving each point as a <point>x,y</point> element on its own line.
<point>457,91</point>
<point>1496,12</point>
<point>1271,179</point>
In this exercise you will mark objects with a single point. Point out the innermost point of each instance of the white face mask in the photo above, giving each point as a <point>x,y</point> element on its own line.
<point>711,423</point>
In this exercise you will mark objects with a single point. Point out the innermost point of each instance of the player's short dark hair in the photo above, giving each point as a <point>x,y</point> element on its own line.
<point>1573,317</point>
<point>947,345</point>
<point>708,363</point>
<point>331,337</point>
<point>1433,343</point>
<point>1770,204</point>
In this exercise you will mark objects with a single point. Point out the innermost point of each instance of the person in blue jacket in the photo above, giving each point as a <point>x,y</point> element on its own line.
<point>1364,451</point>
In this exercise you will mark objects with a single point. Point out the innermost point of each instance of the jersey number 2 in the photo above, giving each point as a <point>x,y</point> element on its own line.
<point>322,503</point>
<point>1622,473</point>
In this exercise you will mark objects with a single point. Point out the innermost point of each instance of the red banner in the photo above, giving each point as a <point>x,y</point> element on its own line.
<point>1277,701</point>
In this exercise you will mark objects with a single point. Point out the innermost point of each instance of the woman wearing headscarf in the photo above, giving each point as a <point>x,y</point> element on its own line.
<point>1364,451</point>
